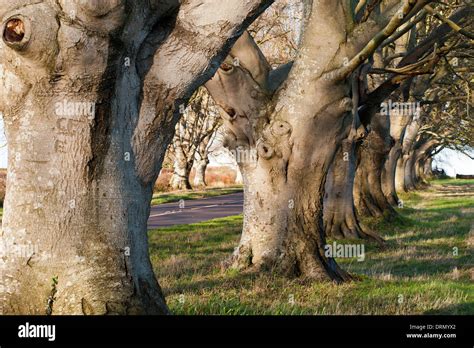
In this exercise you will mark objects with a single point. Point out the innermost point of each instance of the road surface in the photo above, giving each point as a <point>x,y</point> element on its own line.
<point>197,210</point>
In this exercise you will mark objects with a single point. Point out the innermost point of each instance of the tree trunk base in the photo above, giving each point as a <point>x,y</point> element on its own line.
<point>311,266</point>
<point>54,290</point>
<point>346,226</point>
<point>366,207</point>
<point>179,183</point>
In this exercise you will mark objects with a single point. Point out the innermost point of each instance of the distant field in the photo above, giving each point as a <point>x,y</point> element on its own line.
<point>215,177</point>
<point>420,272</point>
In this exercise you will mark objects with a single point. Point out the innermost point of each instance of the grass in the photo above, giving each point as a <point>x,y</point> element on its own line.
<point>169,197</point>
<point>427,267</point>
<point>452,181</point>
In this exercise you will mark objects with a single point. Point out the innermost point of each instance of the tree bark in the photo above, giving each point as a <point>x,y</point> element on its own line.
<point>409,174</point>
<point>373,152</point>
<point>421,156</point>
<point>202,151</point>
<point>194,133</point>
<point>340,219</point>
<point>419,178</point>
<point>283,229</point>
<point>428,168</point>
<point>388,174</point>
<point>181,169</point>
<point>87,129</point>
<point>72,199</point>
<point>403,170</point>
<point>296,137</point>
<point>200,176</point>
<point>398,124</point>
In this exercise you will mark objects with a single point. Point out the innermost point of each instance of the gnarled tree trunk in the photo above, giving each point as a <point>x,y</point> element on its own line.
<point>409,173</point>
<point>284,184</point>
<point>427,169</point>
<point>182,166</point>
<point>403,181</point>
<point>421,156</point>
<point>340,219</point>
<point>296,138</point>
<point>202,154</point>
<point>194,133</point>
<point>372,154</point>
<point>90,94</point>
<point>200,176</point>
<point>398,124</point>
<point>73,201</point>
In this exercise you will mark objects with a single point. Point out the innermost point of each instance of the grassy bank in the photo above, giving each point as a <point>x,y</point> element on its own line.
<point>169,197</point>
<point>426,268</point>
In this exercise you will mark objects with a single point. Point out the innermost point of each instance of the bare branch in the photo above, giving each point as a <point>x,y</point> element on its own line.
<point>449,22</point>
<point>405,28</point>
<point>377,40</point>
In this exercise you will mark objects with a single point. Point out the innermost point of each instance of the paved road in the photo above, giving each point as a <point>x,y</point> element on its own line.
<point>197,210</point>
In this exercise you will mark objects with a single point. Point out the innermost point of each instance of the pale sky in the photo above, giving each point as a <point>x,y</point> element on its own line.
<point>454,162</point>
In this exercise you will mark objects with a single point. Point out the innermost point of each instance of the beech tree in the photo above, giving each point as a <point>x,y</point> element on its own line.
<point>90,94</point>
<point>443,93</point>
<point>191,141</point>
<point>297,131</point>
<point>414,57</point>
<point>251,105</point>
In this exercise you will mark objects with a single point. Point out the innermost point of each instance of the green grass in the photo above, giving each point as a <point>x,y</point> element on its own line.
<point>169,197</point>
<point>427,267</point>
<point>452,181</point>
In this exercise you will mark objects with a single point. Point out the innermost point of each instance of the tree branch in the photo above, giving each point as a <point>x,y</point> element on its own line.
<point>439,35</point>
<point>377,40</point>
<point>449,22</point>
<point>201,33</point>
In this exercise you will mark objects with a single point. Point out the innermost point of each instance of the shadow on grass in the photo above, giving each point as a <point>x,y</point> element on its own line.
<point>419,266</point>
<point>457,309</point>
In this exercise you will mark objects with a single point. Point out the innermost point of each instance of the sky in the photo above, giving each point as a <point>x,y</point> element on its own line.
<point>453,162</point>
